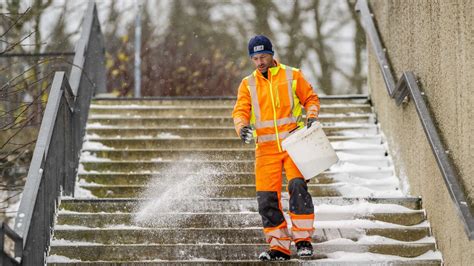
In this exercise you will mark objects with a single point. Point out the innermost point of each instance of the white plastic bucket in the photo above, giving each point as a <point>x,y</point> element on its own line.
<point>311,150</point>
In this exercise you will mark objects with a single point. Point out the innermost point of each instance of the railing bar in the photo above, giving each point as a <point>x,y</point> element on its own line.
<point>55,97</point>
<point>68,187</point>
<point>449,174</point>
<point>2,236</point>
<point>10,232</point>
<point>35,172</point>
<point>69,95</point>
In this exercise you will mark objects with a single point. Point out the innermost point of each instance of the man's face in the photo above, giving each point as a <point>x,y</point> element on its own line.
<point>262,62</point>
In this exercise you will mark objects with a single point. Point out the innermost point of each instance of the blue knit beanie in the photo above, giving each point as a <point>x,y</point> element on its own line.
<point>260,45</point>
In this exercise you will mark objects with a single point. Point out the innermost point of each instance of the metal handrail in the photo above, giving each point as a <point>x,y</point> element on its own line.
<point>53,168</point>
<point>407,87</point>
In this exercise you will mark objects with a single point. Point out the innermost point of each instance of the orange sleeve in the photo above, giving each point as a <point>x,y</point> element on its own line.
<point>242,108</point>
<point>308,98</point>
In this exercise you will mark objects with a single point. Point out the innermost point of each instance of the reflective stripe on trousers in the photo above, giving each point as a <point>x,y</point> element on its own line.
<point>279,238</point>
<point>269,186</point>
<point>301,210</point>
<point>302,228</point>
<point>274,223</point>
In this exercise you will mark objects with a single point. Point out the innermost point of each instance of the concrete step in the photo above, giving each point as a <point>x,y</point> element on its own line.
<point>109,236</point>
<point>202,143</point>
<point>161,133</point>
<point>229,178</point>
<point>207,154</point>
<point>136,149</point>
<point>319,190</point>
<point>208,111</point>
<point>226,219</point>
<point>213,166</point>
<point>187,132</point>
<point>237,191</point>
<point>227,101</point>
<point>154,121</point>
<point>111,205</point>
<point>318,260</point>
<point>224,251</point>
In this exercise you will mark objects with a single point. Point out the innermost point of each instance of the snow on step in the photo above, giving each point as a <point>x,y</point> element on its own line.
<point>216,128</point>
<point>136,151</point>
<point>213,251</point>
<point>205,107</point>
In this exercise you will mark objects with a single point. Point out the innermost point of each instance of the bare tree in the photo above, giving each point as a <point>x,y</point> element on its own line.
<point>38,7</point>
<point>291,24</point>
<point>328,18</point>
<point>118,54</point>
<point>24,82</point>
<point>358,78</point>
<point>263,10</point>
<point>319,44</point>
<point>193,56</point>
<point>59,38</point>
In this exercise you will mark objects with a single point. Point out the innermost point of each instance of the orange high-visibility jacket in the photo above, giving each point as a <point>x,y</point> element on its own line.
<point>273,106</point>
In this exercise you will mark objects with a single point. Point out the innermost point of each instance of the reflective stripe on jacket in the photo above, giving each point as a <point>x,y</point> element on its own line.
<point>273,106</point>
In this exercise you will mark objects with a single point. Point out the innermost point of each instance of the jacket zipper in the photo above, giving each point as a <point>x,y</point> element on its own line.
<point>274,116</point>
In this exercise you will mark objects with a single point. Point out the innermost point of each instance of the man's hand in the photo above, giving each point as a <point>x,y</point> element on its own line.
<point>310,121</point>
<point>246,134</point>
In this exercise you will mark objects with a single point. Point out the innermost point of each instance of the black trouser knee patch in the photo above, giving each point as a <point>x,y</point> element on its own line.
<point>300,199</point>
<point>268,208</point>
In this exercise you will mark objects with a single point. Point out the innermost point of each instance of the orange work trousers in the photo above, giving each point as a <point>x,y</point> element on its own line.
<point>268,173</point>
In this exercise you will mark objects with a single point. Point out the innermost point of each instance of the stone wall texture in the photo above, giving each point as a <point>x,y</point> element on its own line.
<point>434,39</point>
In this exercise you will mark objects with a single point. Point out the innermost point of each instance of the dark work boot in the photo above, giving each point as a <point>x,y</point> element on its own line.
<point>304,249</point>
<point>273,254</point>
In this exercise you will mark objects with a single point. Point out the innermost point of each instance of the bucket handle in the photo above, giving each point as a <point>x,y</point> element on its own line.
<point>293,130</point>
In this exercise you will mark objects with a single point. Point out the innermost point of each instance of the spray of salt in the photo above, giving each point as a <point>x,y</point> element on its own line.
<point>174,190</point>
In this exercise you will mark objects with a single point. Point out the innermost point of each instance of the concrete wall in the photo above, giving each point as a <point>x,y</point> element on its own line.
<point>435,40</point>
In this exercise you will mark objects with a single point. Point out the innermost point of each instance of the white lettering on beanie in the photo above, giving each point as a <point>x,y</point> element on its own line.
<point>258,48</point>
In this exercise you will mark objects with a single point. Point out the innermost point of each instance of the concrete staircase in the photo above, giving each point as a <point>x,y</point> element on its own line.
<point>169,182</point>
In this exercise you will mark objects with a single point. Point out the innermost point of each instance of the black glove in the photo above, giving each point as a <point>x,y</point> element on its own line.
<point>246,134</point>
<point>310,121</point>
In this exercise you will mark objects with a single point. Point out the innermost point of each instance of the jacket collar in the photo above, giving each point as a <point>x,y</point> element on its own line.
<point>273,70</point>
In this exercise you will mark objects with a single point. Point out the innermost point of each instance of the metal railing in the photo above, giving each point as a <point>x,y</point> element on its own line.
<point>407,87</point>
<point>55,159</point>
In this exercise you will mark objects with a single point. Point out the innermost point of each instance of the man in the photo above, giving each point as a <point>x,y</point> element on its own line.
<point>269,107</point>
